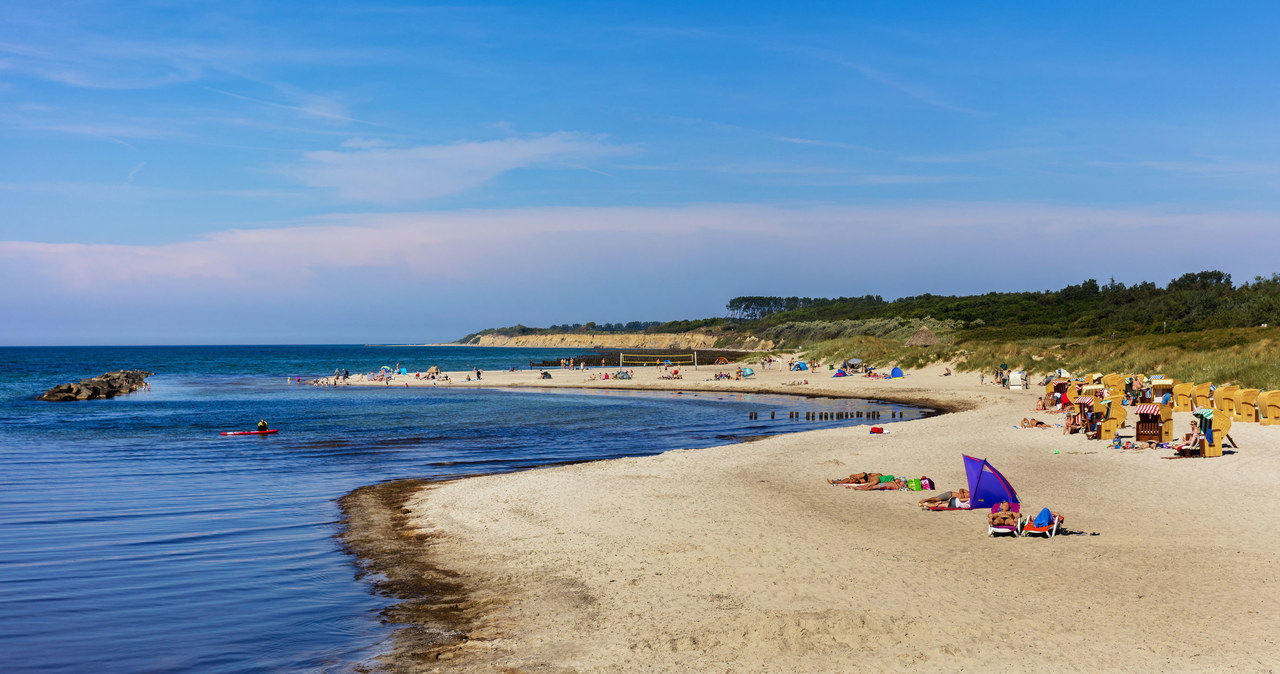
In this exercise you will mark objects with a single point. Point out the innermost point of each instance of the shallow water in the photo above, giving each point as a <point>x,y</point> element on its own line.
<point>136,538</point>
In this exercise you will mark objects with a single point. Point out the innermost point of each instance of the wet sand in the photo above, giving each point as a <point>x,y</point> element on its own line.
<point>742,558</point>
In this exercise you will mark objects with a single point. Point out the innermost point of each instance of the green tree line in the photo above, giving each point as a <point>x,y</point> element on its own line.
<point>1193,301</point>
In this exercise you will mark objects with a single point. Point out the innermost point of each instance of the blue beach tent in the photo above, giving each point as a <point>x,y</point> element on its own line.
<point>987,486</point>
<point>896,373</point>
<point>801,366</point>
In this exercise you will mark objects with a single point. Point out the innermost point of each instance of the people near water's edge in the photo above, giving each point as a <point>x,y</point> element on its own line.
<point>262,425</point>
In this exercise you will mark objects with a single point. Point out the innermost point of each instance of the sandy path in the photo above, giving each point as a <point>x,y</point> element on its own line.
<point>741,558</point>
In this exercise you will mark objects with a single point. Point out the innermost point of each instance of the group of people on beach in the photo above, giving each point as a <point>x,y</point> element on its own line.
<point>1003,515</point>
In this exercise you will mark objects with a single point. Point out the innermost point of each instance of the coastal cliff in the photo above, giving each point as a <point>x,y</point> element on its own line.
<point>683,340</point>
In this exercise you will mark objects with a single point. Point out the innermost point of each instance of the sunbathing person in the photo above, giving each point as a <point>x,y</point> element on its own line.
<point>859,478</point>
<point>1004,517</point>
<point>1034,423</point>
<point>1073,423</point>
<point>891,485</point>
<point>944,499</point>
<point>1190,441</point>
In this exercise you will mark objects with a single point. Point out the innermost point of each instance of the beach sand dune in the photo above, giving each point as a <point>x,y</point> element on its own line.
<point>742,558</point>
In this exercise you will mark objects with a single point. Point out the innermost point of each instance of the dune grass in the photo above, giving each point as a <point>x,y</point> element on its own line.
<point>1249,357</point>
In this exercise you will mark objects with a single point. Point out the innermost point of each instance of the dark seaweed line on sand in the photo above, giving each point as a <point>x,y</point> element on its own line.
<point>433,606</point>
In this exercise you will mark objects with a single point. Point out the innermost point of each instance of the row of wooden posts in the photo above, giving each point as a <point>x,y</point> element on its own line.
<point>827,416</point>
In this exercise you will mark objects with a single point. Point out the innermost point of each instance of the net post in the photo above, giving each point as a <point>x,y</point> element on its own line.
<point>695,360</point>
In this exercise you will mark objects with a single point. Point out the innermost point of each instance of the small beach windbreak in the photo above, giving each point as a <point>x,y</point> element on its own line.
<point>987,486</point>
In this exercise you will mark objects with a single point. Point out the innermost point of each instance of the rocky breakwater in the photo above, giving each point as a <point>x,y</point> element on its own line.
<point>108,385</point>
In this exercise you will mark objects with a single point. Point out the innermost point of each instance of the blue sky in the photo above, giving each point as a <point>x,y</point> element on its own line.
<point>316,172</point>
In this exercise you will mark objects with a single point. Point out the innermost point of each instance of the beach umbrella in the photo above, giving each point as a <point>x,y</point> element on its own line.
<point>386,368</point>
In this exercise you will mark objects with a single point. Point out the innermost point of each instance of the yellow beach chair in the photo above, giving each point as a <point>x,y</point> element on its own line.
<point>1211,444</point>
<point>1224,399</point>
<point>1269,408</point>
<point>1155,423</point>
<point>1202,396</point>
<point>1245,406</point>
<point>1116,415</point>
<point>1182,397</point>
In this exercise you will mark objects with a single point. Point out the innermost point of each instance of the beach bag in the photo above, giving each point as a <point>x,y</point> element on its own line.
<point>914,484</point>
<point>926,484</point>
<point>877,430</point>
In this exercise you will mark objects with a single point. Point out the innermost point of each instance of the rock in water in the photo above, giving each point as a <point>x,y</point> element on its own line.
<point>108,385</point>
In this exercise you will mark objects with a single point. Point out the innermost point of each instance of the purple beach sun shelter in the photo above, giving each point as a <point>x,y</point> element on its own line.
<point>987,486</point>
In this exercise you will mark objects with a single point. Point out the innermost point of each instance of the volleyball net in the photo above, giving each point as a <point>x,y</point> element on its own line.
<point>646,359</point>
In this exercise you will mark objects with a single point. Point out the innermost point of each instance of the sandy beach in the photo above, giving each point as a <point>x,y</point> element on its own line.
<point>743,558</point>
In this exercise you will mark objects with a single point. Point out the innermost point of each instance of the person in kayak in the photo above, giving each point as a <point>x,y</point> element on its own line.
<point>262,425</point>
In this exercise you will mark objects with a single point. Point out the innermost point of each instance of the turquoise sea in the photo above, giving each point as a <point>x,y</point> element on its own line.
<point>136,538</point>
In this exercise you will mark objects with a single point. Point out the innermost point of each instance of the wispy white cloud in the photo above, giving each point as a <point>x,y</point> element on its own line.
<point>781,138</point>
<point>101,63</point>
<point>770,168</point>
<point>391,175</point>
<point>443,246</point>
<point>1201,165</point>
<point>901,179</point>
<point>105,130</point>
<point>908,88</point>
<point>129,191</point>
<point>824,143</point>
<point>308,105</point>
<point>361,143</point>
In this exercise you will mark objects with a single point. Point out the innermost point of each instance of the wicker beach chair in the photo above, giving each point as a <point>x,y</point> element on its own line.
<point>1245,403</point>
<point>1224,400</point>
<point>1114,421</point>
<point>1219,425</point>
<point>1182,401</point>
<point>1202,396</point>
<point>1269,408</point>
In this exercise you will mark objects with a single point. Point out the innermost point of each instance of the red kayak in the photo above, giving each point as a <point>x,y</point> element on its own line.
<point>274,430</point>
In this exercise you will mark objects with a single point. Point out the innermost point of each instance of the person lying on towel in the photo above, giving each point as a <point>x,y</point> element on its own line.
<point>891,484</point>
<point>860,478</point>
<point>1004,517</point>
<point>944,499</point>
<point>1034,423</point>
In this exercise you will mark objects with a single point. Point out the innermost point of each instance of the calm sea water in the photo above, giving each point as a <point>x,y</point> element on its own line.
<point>136,538</point>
